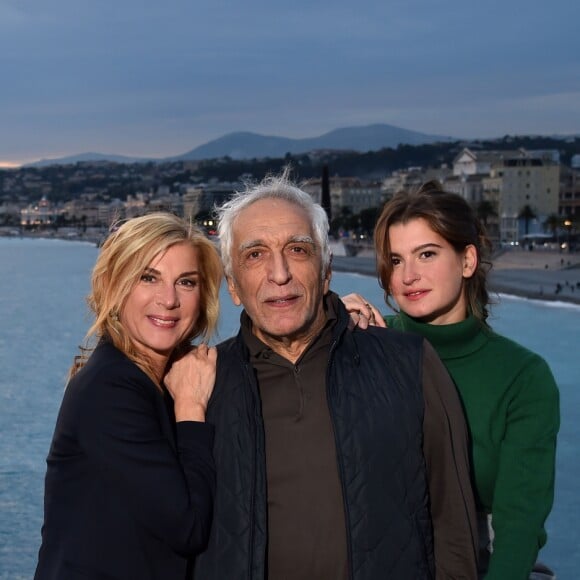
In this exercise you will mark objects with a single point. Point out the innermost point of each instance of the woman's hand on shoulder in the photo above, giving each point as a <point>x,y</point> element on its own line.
<point>362,313</point>
<point>190,382</point>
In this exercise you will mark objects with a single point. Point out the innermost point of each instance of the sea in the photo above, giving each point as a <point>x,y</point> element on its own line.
<point>43,319</point>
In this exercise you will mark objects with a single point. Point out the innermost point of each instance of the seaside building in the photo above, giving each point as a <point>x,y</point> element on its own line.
<point>164,200</point>
<point>470,187</point>
<point>403,180</point>
<point>526,182</point>
<point>111,212</point>
<point>348,192</point>
<point>412,178</point>
<point>136,205</point>
<point>521,187</point>
<point>570,192</point>
<point>83,211</point>
<point>41,214</point>
<point>9,213</point>
<point>202,199</point>
<point>470,162</point>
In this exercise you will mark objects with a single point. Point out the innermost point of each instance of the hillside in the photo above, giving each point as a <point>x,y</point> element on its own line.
<point>246,145</point>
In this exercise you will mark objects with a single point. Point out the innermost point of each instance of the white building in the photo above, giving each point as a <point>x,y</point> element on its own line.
<point>352,192</point>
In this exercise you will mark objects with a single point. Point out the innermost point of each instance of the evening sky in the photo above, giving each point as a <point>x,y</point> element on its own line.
<point>145,78</point>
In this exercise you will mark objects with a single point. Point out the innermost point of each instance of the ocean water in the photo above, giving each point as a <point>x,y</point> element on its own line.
<point>43,319</point>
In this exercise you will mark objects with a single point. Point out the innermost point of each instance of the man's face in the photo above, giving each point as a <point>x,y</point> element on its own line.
<point>277,274</point>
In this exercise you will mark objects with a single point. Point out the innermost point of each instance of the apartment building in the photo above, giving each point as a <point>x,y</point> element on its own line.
<point>526,181</point>
<point>470,162</point>
<point>403,180</point>
<point>354,193</point>
<point>43,213</point>
<point>515,183</point>
<point>569,205</point>
<point>470,187</point>
<point>203,199</point>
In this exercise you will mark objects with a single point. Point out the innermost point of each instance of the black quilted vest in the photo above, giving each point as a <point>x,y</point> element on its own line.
<point>376,402</point>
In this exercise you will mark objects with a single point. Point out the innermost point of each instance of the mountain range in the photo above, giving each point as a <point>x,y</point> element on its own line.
<point>247,145</point>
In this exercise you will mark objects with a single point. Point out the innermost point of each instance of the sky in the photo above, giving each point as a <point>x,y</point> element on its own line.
<point>155,79</point>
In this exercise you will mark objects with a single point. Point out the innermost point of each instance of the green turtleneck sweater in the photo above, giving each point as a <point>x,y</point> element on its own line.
<point>511,402</point>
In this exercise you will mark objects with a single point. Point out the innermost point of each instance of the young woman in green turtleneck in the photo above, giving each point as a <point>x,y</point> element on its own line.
<point>430,250</point>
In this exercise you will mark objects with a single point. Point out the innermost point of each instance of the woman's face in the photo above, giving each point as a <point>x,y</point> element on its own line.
<point>428,274</point>
<point>164,305</point>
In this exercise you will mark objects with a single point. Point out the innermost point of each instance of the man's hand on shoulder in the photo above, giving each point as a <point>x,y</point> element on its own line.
<point>362,313</point>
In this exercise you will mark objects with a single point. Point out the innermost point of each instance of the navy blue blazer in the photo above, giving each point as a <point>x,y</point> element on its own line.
<point>128,492</point>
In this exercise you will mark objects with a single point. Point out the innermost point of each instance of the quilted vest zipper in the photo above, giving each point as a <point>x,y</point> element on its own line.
<point>255,418</point>
<point>339,460</point>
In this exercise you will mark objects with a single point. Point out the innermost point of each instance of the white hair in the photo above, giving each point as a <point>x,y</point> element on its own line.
<point>272,187</point>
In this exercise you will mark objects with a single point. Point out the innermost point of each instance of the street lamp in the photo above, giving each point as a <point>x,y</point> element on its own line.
<point>568,226</point>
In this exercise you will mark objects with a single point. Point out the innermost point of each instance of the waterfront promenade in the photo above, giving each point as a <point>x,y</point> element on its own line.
<point>538,274</point>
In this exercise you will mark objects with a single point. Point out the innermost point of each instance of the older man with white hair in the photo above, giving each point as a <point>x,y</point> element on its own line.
<point>340,454</point>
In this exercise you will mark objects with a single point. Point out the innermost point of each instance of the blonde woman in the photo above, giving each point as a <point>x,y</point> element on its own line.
<point>130,479</point>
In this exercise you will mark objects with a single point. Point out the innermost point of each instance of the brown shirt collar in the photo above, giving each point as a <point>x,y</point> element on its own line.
<point>257,348</point>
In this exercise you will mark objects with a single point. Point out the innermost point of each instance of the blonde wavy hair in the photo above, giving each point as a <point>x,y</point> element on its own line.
<point>123,258</point>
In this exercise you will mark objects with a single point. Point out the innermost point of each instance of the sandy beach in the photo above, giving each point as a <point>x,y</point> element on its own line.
<point>537,274</point>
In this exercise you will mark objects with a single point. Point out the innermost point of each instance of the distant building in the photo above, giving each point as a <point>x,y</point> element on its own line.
<point>470,187</point>
<point>41,214</point>
<point>469,162</point>
<point>519,181</point>
<point>166,201</point>
<point>84,211</point>
<point>136,205</point>
<point>354,193</point>
<point>202,199</point>
<point>402,180</point>
<point>569,192</point>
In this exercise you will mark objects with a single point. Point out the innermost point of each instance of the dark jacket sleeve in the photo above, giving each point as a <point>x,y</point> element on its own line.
<point>446,449</point>
<point>124,427</point>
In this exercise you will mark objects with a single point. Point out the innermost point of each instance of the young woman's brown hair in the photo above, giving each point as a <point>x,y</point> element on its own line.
<point>448,215</point>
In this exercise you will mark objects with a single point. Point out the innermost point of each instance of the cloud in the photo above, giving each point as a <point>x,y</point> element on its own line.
<point>168,76</point>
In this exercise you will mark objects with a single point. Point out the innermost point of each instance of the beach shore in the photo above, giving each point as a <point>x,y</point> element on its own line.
<point>537,274</point>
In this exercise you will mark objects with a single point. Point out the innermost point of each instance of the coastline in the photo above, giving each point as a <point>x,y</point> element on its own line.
<point>543,275</point>
<point>536,275</point>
